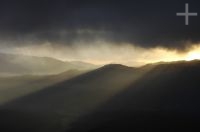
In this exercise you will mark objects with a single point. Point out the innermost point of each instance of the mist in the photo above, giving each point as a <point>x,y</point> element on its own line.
<point>101,52</point>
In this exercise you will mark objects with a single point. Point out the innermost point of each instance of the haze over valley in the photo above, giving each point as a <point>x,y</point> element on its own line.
<point>99,66</point>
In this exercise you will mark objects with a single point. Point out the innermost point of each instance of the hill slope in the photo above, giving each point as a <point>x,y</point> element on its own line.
<point>164,99</point>
<point>19,86</point>
<point>63,103</point>
<point>113,97</point>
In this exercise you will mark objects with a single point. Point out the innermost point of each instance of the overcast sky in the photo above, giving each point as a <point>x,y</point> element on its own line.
<point>142,23</point>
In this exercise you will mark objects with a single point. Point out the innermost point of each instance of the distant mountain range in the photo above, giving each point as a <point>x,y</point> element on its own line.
<point>112,98</point>
<point>11,64</point>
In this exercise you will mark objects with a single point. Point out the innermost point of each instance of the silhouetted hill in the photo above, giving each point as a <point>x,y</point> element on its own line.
<point>106,79</point>
<point>64,102</point>
<point>166,99</point>
<point>114,97</point>
<point>12,64</point>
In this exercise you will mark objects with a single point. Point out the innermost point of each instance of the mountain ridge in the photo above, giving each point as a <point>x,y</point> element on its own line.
<point>103,96</point>
<point>12,64</point>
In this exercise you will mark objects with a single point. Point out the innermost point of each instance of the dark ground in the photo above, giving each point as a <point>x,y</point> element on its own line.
<point>114,98</point>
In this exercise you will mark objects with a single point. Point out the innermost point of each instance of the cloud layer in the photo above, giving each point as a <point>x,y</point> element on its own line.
<point>143,23</point>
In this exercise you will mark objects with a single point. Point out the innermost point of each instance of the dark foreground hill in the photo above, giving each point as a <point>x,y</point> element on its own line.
<point>112,98</point>
<point>165,99</point>
<point>57,106</point>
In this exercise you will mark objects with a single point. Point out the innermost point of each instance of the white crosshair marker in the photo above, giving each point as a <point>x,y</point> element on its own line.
<point>187,14</point>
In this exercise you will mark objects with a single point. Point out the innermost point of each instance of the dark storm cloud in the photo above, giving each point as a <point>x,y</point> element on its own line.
<point>146,23</point>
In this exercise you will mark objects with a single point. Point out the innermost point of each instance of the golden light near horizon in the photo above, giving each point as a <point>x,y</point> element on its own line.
<point>101,53</point>
<point>193,56</point>
<point>194,53</point>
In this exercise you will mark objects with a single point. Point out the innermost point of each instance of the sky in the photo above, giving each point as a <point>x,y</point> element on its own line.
<point>100,31</point>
